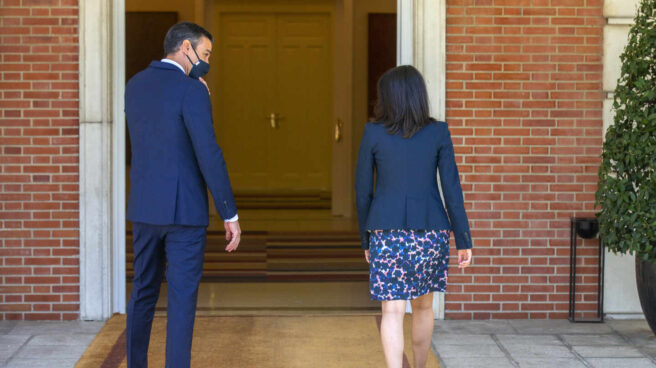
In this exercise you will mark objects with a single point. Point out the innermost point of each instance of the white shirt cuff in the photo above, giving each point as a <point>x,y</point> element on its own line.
<point>233,219</point>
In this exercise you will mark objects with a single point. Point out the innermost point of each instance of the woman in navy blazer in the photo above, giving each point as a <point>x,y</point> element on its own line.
<point>403,224</point>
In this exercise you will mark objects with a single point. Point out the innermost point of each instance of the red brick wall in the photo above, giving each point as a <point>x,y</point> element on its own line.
<point>39,241</point>
<point>524,105</point>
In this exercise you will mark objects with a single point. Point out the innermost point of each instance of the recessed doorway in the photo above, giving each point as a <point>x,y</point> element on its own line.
<point>273,107</point>
<point>420,42</point>
<point>291,84</point>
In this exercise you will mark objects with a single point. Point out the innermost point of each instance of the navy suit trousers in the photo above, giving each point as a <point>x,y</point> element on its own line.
<point>183,247</point>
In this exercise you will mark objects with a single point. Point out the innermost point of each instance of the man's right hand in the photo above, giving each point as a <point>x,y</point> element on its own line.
<point>233,233</point>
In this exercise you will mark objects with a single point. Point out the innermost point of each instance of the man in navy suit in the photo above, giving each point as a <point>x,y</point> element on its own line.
<point>175,158</point>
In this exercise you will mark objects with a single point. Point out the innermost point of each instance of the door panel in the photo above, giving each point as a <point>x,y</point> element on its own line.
<point>302,145</point>
<point>275,63</point>
<point>246,51</point>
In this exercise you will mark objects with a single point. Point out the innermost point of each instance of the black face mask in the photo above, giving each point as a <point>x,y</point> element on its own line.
<point>198,69</point>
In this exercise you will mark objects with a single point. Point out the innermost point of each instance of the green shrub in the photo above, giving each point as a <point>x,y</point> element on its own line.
<point>627,180</point>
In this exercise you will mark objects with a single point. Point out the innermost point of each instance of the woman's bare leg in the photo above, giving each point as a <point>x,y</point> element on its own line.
<point>391,332</point>
<point>422,328</point>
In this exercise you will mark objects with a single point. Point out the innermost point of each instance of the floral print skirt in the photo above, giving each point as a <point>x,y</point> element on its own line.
<point>406,264</point>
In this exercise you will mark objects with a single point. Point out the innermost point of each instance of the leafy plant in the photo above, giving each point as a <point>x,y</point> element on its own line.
<point>627,177</point>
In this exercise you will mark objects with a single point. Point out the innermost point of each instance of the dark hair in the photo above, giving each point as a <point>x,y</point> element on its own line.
<point>184,31</point>
<point>402,104</point>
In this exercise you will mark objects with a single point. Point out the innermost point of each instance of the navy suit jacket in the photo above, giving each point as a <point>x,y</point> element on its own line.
<point>406,195</point>
<point>175,156</point>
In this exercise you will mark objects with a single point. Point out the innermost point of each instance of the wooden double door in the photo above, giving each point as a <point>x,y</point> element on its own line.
<point>272,101</point>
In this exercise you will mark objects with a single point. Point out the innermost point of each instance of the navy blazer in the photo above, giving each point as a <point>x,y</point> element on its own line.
<point>406,195</point>
<point>175,156</point>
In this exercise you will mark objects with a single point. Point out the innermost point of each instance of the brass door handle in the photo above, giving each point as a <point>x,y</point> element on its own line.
<point>273,120</point>
<point>338,130</point>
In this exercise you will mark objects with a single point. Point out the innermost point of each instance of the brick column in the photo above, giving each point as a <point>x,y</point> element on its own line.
<point>524,104</point>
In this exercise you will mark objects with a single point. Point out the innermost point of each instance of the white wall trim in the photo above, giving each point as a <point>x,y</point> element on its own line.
<point>620,291</point>
<point>625,316</point>
<point>118,158</point>
<point>625,21</point>
<point>95,285</point>
<point>100,80</point>
<point>430,51</point>
<point>421,41</point>
<point>404,32</point>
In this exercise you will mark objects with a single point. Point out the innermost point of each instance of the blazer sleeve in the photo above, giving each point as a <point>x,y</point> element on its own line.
<point>364,184</point>
<point>450,181</point>
<point>197,116</point>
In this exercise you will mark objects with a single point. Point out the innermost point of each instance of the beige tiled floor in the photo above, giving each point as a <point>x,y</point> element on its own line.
<point>35,344</point>
<point>467,344</point>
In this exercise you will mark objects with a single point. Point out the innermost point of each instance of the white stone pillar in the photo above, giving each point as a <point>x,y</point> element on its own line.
<point>421,41</point>
<point>430,51</point>
<point>620,291</point>
<point>404,32</point>
<point>118,157</point>
<point>101,85</point>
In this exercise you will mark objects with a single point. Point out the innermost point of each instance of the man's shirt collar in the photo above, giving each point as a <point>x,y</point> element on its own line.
<point>165,60</point>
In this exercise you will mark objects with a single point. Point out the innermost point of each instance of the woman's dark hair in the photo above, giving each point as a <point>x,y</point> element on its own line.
<point>402,104</point>
<point>184,31</point>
